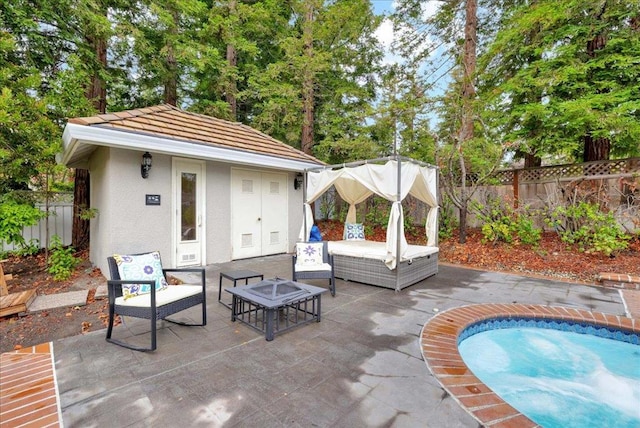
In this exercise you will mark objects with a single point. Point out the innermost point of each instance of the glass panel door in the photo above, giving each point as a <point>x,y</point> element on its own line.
<point>188,208</point>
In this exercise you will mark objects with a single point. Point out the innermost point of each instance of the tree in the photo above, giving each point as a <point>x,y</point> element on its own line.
<point>565,77</point>
<point>323,75</point>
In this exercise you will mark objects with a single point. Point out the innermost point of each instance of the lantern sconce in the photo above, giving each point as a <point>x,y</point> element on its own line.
<point>146,165</point>
<point>298,181</point>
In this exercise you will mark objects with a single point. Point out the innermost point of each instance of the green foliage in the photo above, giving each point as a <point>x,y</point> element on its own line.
<point>62,261</point>
<point>14,216</point>
<point>377,212</point>
<point>502,223</point>
<point>28,248</point>
<point>87,213</point>
<point>447,218</point>
<point>548,90</point>
<point>587,226</point>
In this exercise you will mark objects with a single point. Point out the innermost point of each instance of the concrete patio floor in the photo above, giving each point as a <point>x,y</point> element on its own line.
<point>360,366</point>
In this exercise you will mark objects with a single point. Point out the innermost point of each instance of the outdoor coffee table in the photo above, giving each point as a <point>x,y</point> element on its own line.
<point>235,276</point>
<point>274,306</point>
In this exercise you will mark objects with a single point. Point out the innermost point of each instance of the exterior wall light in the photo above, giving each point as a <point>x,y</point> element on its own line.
<point>298,181</point>
<point>146,165</point>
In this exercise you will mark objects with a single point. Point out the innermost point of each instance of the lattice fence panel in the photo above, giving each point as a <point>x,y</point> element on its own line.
<point>566,172</point>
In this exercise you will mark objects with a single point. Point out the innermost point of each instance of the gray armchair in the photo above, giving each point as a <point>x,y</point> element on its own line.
<point>143,292</point>
<point>311,260</point>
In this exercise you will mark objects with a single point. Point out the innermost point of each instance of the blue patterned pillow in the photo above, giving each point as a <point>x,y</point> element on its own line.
<point>142,266</point>
<point>354,231</point>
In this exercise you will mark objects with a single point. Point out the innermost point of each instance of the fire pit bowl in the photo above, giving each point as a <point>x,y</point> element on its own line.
<point>276,289</point>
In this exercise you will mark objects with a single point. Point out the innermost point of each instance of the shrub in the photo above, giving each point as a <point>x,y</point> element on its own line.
<point>587,226</point>
<point>447,219</point>
<point>503,223</point>
<point>14,216</point>
<point>61,262</point>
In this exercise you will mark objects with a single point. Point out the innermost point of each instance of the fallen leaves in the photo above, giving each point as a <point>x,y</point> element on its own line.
<point>552,258</point>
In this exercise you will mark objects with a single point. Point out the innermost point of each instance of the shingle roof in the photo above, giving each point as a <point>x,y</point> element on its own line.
<point>167,121</point>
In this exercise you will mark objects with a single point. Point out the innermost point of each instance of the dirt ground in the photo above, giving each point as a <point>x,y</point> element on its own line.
<point>30,272</point>
<point>552,259</point>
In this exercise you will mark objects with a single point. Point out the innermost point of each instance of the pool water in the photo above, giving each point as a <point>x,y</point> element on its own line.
<point>559,378</point>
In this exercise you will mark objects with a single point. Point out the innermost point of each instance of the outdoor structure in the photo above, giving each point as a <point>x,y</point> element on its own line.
<point>394,263</point>
<point>198,189</point>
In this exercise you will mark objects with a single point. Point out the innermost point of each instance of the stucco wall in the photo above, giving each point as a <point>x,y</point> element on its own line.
<point>124,223</point>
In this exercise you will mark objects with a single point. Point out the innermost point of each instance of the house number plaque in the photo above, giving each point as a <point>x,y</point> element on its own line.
<point>152,199</point>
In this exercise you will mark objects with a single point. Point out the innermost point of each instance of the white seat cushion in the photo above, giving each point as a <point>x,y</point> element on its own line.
<point>163,297</point>
<point>313,268</point>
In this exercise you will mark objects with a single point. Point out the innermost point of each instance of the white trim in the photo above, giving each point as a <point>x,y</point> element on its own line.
<point>76,135</point>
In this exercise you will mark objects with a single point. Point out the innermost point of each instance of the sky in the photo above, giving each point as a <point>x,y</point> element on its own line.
<point>385,35</point>
<point>385,32</point>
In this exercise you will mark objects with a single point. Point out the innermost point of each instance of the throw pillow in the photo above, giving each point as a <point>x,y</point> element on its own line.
<point>141,266</point>
<point>309,254</point>
<point>354,232</point>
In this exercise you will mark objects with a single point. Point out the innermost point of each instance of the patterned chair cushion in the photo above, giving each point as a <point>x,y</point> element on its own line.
<point>141,266</point>
<point>354,232</point>
<point>309,254</point>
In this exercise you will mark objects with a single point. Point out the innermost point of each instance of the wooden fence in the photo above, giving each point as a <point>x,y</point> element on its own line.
<point>617,180</point>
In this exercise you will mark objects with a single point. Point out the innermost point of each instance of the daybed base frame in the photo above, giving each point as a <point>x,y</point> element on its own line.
<point>375,272</point>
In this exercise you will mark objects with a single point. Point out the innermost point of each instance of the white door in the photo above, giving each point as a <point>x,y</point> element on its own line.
<point>189,210</point>
<point>259,213</point>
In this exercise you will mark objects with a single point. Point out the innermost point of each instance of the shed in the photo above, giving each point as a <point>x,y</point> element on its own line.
<point>212,190</point>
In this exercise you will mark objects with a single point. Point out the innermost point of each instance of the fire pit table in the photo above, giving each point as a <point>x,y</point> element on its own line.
<point>276,305</point>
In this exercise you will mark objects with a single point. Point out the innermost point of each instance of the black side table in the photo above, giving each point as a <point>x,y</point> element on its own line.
<point>235,276</point>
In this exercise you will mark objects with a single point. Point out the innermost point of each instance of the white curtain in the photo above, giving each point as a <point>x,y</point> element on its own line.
<point>356,184</point>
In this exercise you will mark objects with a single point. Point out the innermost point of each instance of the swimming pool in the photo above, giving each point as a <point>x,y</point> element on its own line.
<point>439,345</point>
<point>558,374</point>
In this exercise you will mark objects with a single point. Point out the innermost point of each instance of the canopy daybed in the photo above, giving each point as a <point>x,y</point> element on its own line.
<point>394,263</point>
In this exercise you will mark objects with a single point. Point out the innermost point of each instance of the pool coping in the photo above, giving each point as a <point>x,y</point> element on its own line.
<point>439,346</point>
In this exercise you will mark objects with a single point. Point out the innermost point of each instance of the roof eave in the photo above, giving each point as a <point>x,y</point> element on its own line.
<point>75,135</point>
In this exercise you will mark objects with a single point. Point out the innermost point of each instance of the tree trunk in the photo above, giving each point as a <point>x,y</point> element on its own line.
<point>80,229</point>
<point>532,161</point>
<point>96,92</point>
<point>232,87</point>
<point>171,83</point>
<point>308,80</point>
<point>468,95</point>
<point>462,232</point>
<point>232,61</point>
<point>596,148</point>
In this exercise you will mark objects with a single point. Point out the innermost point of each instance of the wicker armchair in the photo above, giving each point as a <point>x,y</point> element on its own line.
<point>155,304</point>
<point>311,260</point>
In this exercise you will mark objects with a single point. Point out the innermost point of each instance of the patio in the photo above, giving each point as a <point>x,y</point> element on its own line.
<point>360,366</point>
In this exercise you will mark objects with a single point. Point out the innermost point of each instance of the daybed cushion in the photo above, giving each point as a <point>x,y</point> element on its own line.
<point>170,294</point>
<point>354,231</point>
<point>376,250</point>
<point>143,267</point>
<point>309,254</point>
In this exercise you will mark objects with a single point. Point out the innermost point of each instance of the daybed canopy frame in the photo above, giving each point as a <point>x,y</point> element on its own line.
<point>392,178</point>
